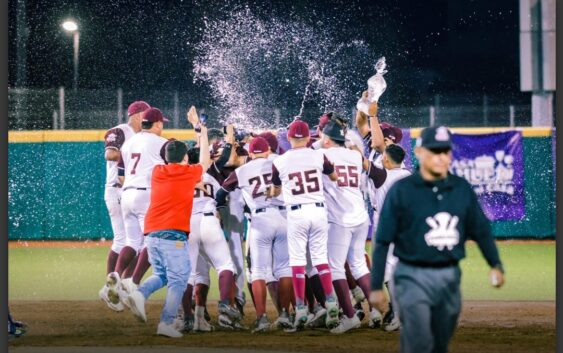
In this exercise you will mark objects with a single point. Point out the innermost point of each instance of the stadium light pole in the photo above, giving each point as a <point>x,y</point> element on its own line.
<point>72,27</point>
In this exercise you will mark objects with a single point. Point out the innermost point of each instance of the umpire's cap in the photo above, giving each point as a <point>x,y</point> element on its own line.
<point>435,137</point>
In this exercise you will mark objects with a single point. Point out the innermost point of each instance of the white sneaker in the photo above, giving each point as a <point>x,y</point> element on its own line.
<point>168,330</point>
<point>300,317</point>
<point>136,302</point>
<point>128,285</point>
<point>374,318</point>
<point>332,312</point>
<point>262,324</point>
<point>178,323</point>
<point>113,282</point>
<point>283,321</point>
<point>103,294</point>
<point>346,324</point>
<point>317,318</point>
<point>200,324</point>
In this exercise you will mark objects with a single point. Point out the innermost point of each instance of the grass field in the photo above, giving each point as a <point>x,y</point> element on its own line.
<point>78,273</point>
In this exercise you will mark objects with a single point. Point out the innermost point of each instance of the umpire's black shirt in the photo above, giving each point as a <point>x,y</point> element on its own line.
<point>429,223</point>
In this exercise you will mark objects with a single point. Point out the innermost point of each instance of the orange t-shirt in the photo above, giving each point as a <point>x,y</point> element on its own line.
<point>172,196</point>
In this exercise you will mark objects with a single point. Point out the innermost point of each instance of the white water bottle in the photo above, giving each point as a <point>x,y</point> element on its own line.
<point>376,87</point>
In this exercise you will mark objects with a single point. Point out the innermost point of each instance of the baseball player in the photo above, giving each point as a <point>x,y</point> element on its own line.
<point>268,243</point>
<point>139,155</point>
<point>429,216</point>
<point>298,175</point>
<point>381,180</point>
<point>348,221</point>
<point>208,246</point>
<point>114,140</point>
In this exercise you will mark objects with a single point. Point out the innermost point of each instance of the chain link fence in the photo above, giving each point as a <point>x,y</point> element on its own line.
<point>43,109</point>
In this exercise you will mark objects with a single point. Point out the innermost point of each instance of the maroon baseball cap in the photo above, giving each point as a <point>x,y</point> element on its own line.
<point>137,107</point>
<point>298,129</point>
<point>258,145</point>
<point>272,140</point>
<point>153,115</point>
<point>391,132</point>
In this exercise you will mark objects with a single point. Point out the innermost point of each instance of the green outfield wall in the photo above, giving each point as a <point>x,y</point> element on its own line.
<point>56,185</point>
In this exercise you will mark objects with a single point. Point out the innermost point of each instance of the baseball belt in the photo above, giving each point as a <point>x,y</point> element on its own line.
<point>260,210</point>
<point>296,207</point>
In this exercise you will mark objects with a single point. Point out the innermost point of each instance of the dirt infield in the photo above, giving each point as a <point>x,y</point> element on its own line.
<point>499,327</point>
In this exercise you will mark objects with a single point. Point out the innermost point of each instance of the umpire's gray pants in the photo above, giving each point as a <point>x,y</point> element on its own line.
<point>429,302</point>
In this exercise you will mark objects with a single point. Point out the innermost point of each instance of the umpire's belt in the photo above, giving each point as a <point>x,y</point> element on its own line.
<point>296,207</point>
<point>443,264</point>
<point>263,209</point>
<point>209,214</point>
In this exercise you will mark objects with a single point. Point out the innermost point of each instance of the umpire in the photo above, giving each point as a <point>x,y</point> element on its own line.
<point>429,216</point>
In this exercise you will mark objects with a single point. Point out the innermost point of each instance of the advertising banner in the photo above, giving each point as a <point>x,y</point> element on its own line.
<point>493,164</point>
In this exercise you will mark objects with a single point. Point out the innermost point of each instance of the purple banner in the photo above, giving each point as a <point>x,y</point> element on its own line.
<point>493,164</point>
<point>406,143</point>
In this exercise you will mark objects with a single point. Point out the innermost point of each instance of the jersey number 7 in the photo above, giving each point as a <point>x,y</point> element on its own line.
<point>136,156</point>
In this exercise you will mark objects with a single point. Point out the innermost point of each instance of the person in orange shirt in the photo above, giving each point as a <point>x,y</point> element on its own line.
<point>167,226</point>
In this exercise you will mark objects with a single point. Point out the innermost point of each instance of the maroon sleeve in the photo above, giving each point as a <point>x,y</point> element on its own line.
<point>275,176</point>
<point>114,138</point>
<point>216,173</point>
<point>120,166</point>
<point>231,183</point>
<point>328,167</point>
<point>377,175</point>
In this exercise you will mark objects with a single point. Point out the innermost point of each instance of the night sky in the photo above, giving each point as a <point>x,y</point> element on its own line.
<point>432,46</point>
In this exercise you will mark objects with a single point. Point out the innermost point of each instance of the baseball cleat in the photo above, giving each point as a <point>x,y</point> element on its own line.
<point>240,302</point>
<point>230,311</point>
<point>226,323</point>
<point>347,324</point>
<point>359,311</point>
<point>300,317</point>
<point>317,318</point>
<point>168,330</point>
<point>103,294</point>
<point>332,312</point>
<point>188,324</point>
<point>136,302</point>
<point>262,324</point>
<point>374,318</point>
<point>390,322</point>
<point>283,321</point>
<point>128,285</point>
<point>201,325</point>
<point>113,283</point>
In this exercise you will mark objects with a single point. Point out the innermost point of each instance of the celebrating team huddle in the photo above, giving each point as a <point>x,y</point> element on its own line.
<point>308,212</point>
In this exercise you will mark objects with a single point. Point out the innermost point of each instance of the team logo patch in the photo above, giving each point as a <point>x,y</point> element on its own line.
<point>442,134</point>
<point>443,232</point>
<point>111,137</point>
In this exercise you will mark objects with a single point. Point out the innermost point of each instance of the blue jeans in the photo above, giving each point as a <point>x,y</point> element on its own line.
<point>170,266</point>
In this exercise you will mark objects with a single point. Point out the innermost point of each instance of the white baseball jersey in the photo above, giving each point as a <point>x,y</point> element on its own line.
<point>393,175</point>
<point>204,201</point>
<point>344,199</point>
<point>140,154</point>
<point>114,139</point>
<point>252,178</point>
<point>299,172</point>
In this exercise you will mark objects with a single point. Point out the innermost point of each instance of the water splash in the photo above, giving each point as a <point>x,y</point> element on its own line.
<point>253,66</point>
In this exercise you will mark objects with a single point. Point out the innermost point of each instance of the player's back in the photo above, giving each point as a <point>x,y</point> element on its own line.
<point>115,138</point>
<point>344,198</point>
<point>254,178</point>
<point>140,154</point>
<point>204,201</point>
<point>300,171</point>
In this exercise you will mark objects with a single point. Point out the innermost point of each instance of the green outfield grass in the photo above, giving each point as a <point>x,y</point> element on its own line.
<point>78,273</point>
